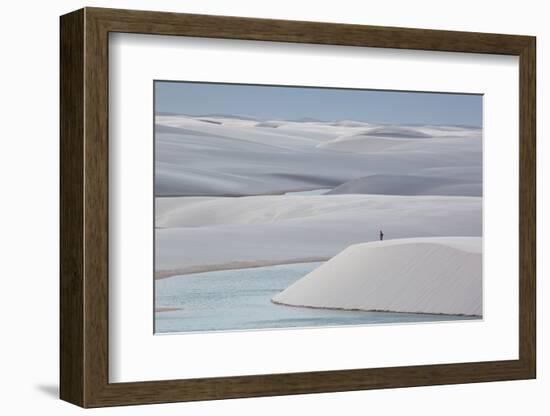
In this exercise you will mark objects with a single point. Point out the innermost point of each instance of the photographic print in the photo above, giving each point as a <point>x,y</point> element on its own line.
<point>302,207</point>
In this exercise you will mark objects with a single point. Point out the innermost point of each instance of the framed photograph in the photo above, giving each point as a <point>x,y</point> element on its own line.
<point>254,207</point>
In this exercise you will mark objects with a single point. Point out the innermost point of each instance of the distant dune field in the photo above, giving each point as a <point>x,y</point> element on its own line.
<point>231,156</point>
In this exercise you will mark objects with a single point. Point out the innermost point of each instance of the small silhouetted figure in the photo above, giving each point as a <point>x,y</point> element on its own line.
<point>381,235</point>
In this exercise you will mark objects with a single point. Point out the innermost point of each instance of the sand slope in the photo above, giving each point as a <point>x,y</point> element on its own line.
<point>409,185</point>
<point>420,211</point>
<point>419,275</point>
<point>209,233</point>
<point>232,156</point>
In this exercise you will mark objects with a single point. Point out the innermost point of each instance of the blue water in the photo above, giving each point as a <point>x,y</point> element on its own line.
<point>241,300</point>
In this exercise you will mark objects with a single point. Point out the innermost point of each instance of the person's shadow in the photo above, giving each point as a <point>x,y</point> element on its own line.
<point>51,390</point>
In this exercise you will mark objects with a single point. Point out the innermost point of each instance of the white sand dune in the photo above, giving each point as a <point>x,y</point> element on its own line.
<point>208,233</point>
<point>177,212</point>
<point>367,143</point>
<point>232,156</point>
<point>220,183</point>
<point>409,185</point>
<point>468,173</point>
<point>418,275</point>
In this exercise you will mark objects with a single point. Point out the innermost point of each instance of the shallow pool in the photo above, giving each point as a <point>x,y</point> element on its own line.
<point>241,300</point>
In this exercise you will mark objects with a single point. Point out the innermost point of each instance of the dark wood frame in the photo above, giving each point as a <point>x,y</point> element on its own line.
<point>84,207</point>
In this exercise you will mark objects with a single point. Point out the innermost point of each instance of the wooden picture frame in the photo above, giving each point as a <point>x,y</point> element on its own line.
<point>84,207</point>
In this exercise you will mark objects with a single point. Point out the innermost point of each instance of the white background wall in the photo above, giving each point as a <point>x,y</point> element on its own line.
<point>29,206</point>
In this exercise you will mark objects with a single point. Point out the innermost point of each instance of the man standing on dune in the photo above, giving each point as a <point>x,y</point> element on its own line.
<point>381,235</point>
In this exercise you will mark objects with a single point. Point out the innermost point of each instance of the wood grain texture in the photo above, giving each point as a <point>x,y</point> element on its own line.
<point>162,23</point>
<point>84,207</point>
<point>96,209</point>
<point>71,208</point>
<point>527,207</point>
